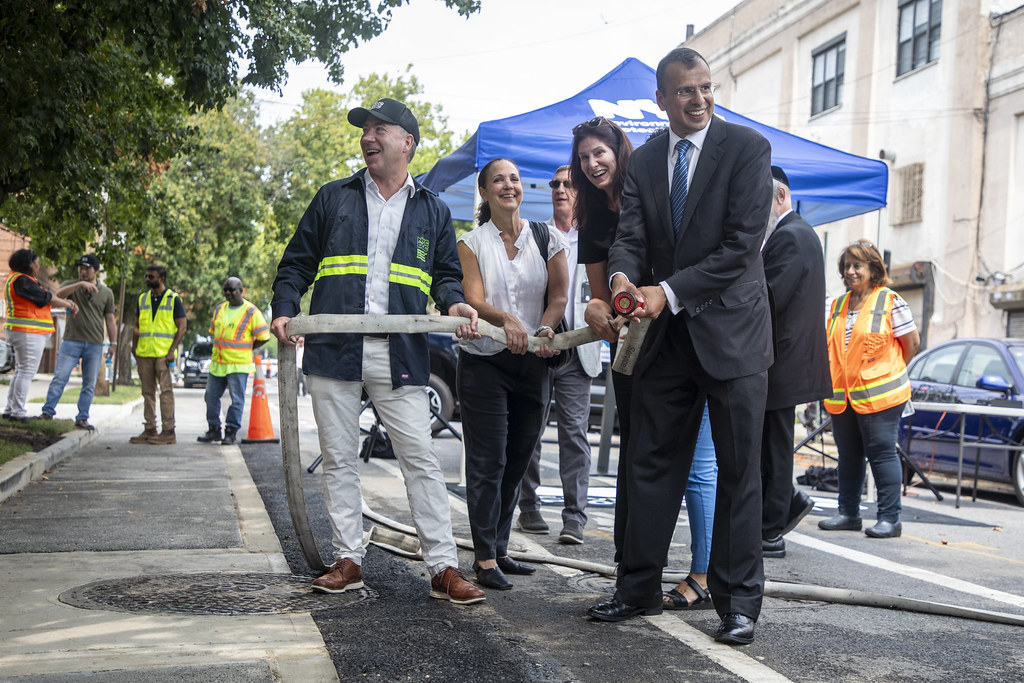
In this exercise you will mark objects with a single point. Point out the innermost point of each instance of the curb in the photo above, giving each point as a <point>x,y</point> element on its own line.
<point>18,473</point>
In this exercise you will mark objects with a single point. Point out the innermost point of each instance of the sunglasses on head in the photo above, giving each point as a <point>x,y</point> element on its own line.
<point>592,123</point>
<point>553,184</point>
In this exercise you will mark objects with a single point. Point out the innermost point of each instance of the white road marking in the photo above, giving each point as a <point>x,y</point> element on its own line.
<point>906,570</point>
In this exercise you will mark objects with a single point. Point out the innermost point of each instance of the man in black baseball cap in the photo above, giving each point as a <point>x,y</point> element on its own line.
<point>389,111</point>
<point>357,233</point>
<point>83,339</point>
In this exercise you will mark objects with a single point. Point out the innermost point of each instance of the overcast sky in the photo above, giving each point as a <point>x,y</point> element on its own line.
<point>511,57</point>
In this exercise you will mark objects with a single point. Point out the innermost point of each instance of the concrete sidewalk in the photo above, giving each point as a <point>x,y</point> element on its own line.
<point>155,563</point>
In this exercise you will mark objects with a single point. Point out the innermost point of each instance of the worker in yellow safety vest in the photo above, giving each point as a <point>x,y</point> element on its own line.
<point>159,329</point>
<point>237,327</point>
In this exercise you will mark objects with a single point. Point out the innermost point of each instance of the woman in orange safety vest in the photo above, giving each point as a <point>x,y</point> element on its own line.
<point>871,337</point>
<point>27,326</point>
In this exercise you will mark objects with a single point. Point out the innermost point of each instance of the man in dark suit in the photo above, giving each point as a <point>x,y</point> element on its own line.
<point>711,339</point>
<point>795,268</point>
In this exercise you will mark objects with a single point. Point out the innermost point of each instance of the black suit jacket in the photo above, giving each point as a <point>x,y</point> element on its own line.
<point>714,267</point>
<point>795,268</point>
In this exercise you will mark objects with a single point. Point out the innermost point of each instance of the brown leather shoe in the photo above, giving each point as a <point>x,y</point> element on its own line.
<point>345,575</point>
<point>144,437</point>
<point>451,585</point>
<point>163,438</point>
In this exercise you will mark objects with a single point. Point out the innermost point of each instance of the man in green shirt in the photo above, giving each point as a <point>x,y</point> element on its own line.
<point>83,338</point>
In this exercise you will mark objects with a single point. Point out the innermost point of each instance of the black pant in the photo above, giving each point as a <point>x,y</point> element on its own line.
<point>776,469</point>
<point>503,399</point>
<point>623,386</point>
<point>666,414</point>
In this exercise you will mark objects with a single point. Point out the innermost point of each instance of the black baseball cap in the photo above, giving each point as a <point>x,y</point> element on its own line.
<point>90,261</point>
<point>780,175</point>
<point>390,111</point>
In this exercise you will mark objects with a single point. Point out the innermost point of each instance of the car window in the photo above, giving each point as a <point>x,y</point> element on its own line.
<point>981,359</point>
<point>1017,354</point>
<point>938,365</point>
<point>204,350</point>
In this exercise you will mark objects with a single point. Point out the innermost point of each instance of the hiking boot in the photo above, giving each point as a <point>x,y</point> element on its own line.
<point>212,434</point>
<point>163,438</point>
<point>41,416</point>
<point>80,424</point>
<point>229,436</point>
<point>144,437</point>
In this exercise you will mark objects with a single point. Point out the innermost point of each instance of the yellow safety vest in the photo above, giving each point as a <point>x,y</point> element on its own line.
<point>234,330</point>
<point>870,373</point>
<point>156,333</point>
<point>22,314</point>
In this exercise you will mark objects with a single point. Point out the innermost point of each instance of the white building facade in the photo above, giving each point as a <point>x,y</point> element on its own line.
<point>933,87</point>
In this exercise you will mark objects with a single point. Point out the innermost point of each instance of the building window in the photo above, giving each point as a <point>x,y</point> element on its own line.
<point>827,81</point>
<point>908,195</point>
<point>919,34</point>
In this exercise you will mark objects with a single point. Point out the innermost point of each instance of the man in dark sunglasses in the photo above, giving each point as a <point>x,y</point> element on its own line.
<point>571,390</point>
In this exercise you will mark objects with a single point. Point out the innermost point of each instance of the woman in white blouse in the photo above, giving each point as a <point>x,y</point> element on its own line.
<point>503,389</point>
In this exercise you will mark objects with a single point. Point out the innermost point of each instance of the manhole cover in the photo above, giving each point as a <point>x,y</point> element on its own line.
<point>593,583</point>
<point>209,593</point>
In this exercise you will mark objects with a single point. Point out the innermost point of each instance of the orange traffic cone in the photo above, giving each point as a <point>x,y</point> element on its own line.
<point>261,430</point>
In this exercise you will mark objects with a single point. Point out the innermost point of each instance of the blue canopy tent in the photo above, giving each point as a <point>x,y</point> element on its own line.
<point>827,184</point>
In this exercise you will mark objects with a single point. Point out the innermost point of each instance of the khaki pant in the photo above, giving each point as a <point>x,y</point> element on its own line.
<point>153,372</point>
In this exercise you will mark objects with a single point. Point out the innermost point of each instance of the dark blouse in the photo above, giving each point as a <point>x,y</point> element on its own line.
<point>596,239</point>
<point>27,288</point>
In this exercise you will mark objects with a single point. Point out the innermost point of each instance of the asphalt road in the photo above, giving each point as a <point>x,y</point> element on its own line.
<point>972,556</point>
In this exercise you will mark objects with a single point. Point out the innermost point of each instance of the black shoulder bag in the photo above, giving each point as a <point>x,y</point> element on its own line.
<point>542,237</point>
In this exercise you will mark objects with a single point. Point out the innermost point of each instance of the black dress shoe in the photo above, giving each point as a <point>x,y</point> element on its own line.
<point>491,578</point>
<point>883,529</point>
<point>615,610</point>
<point>773,547</point>
<point>510,566</point>
<point>800,505</point>
<point>840,522</point>
<point>736,629</point>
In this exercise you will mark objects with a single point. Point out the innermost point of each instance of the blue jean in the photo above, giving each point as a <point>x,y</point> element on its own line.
<point>870,437</point>
<point>235,383</point>
<point>71,350</point>
<point>700,497</point>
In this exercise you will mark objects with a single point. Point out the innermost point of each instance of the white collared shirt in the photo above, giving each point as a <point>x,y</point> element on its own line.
<point>384,222</point>
<point>572,251</point>
<point>692,156</point>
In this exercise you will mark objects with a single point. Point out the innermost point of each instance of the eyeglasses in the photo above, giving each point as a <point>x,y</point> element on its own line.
<point>706,90</point>
<point>553,184</point>
<point>592,123</point>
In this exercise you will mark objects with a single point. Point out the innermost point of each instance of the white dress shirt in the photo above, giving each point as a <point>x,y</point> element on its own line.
<point>384,220</point>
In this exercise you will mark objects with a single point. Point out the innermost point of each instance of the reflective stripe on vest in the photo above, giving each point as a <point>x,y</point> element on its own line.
<point>156,333</point>
<point>878,393</point>
<point>356,264</point>
<point>22,314</point>
<point>229,345</point>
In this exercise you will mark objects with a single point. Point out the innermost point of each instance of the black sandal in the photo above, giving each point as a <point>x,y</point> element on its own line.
<point>674,600</point>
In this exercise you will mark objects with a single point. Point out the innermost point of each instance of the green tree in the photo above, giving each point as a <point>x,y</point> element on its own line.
<point>317,144</point>
<point>95,94</point>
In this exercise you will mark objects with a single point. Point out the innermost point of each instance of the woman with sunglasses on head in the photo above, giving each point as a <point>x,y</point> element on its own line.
<point>871,338</point>
<point>600,159</point>
<point>503,389</point>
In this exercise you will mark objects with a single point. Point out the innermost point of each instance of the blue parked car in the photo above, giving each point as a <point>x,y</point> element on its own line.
<point>975,371</point>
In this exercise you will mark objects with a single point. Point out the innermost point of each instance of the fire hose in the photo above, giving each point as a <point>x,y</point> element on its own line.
<point>403,539</point>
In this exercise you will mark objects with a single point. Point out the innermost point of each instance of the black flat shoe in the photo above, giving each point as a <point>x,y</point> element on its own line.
<point>510,566</point>
<point>884,529</point>
<point>491,578</point>
<point>614,610</point>
<point>736,629</point>
<point>773,547</point>
<point>840,522</point>
<point>799,507</point>
<point>674,600</point>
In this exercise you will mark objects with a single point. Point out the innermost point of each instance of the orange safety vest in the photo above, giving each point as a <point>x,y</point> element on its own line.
<point>870,374</point>
<point>22,314</point>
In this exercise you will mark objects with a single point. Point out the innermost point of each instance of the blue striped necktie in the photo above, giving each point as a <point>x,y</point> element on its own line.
<point>677,196</point>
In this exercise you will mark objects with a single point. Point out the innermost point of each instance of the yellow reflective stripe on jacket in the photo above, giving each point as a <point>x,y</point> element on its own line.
<point>352,264</point>
<point>413,277</point>
<point>877,390</point>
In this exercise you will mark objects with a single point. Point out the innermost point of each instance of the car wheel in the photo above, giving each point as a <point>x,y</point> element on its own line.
<point>1018,477</point>
<point>441,401</point>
